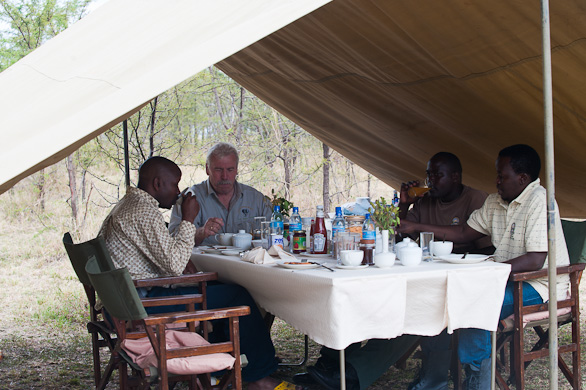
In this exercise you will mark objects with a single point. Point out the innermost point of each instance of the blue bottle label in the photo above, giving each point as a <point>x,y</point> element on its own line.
<point>368,234</point>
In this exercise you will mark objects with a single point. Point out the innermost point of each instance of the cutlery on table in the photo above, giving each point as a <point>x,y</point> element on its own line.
<point>465,254</point>
<point>321,265</point>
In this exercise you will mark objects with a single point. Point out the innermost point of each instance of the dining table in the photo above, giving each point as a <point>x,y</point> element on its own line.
<point>352,304</point>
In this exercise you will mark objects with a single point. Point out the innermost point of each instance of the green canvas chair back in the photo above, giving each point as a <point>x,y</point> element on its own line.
<point>575,234</point>
<point>79,254</point>
<point>116,291</point>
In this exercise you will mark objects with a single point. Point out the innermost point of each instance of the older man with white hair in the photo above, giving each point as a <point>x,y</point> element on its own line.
<point>226,205</point>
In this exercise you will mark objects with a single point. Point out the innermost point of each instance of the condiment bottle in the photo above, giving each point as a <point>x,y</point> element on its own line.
<point>320,234</point>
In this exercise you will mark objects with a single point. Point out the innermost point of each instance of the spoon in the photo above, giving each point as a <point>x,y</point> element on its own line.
<point>465,254</point>
<point>321,265</point>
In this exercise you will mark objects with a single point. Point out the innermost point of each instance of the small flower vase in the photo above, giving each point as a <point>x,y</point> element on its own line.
<point>385,259</point>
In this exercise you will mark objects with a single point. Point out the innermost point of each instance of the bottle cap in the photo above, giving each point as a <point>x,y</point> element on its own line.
<point>277,208</point>
<point>295,209</point>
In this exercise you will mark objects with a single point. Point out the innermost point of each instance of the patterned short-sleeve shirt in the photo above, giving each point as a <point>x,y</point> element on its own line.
<point>138,239</point>
<point>520,227</point>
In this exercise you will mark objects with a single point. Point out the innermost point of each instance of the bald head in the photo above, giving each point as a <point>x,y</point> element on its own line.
<point>160,178</point>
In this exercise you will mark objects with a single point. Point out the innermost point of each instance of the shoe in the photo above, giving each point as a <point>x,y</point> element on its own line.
<point>304,379</point>
<point>433,374</point>
<point>330,379</point>
<point>478,378</point>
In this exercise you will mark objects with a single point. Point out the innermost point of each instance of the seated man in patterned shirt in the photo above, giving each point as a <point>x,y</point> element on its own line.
<point>137,238</point>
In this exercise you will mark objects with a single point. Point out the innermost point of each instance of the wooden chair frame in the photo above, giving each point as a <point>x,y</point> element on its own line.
<point>514,337</point>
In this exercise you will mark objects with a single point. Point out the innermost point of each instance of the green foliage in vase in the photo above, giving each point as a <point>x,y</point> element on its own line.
<point>385,216</point>
<point>281,202</point>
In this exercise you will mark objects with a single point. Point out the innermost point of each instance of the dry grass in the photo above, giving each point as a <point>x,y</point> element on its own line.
<point>45,345</point>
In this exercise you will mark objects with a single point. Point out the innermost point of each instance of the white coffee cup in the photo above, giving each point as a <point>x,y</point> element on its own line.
<point>351,257</point>
<point>441,248</point>
<point>224,238</point>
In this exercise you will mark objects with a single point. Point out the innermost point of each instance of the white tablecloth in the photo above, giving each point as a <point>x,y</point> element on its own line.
<point>339,308</point>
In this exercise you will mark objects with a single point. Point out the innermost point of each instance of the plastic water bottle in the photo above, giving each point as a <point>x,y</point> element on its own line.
<point>395,199</point>
<point>276,236</point>
<point>294,224</point>
<point>294,221</point>
<point>339,223</point>
<point>338,226</point>
<point>368,230</point>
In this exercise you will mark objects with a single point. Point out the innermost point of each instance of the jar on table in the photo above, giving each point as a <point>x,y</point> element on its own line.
<point>354,223</point>
<point>299,241</point>
<point>368,250</point>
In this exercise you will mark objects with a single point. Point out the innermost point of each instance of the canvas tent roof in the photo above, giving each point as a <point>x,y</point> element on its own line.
<point>387,83</point>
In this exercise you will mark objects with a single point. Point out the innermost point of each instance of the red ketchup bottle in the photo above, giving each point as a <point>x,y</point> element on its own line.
<point>320,234</point>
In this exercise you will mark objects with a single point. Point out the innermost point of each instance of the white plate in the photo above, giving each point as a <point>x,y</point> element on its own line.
<point>315,256</point>
<point>292,265</point>
<point>216,249</point>
<point>341,266</point>
<point>231,252</point>
<point>457,258</point>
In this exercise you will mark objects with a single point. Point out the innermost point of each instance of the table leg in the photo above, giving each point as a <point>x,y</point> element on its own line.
<point>493,361</point>
<point>342,370</point>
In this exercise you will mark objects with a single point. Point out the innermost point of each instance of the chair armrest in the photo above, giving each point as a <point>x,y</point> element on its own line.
<point>183,279</point>
<point>172,300</point>
<point>523,276</point>
<point>200,315</point>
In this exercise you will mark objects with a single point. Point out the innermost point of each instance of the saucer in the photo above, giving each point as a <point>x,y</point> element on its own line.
<point>457,258</point>
<point>341,266</point>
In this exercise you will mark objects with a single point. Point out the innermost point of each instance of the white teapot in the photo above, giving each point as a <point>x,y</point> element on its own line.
<point>242,239</point>
<point>406,243</point>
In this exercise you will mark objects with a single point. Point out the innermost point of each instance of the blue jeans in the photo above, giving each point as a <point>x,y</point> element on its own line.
<point>474,345</point>
<point>255,339</point>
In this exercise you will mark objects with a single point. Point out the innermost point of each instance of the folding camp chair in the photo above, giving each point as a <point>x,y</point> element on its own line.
<point>104,333</point>
<point>535,317</point>
<point>103,336</point>
<point>187,355</point>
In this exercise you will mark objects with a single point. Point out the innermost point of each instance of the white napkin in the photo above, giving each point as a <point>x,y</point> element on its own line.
<point>281,253</point>
<point>258,255</point>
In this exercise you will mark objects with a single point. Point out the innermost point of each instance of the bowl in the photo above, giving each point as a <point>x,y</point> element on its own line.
<point>351,257</point>
<point>384,259</point>
<point>441,248</point>
<point>411,256</point>
<point>256,243</point>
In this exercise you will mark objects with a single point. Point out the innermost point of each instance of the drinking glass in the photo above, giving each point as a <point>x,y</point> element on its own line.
<point>425,239</point>
<point>416,192</point>
<point>256,232</point>
<point>265,233</point>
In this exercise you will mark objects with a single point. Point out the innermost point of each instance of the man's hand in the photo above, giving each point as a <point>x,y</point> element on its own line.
<point>407,227</point>
<point>210,228</point>
<point>189,268</point>
<point>189,207</point>
<point>404,195</point>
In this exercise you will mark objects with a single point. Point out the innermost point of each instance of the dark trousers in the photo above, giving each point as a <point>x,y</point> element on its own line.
<point>255,339</point>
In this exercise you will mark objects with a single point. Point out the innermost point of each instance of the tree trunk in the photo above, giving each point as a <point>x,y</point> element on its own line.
<point>72,187</point>
<point>41,188</point>
<point>326,183</point>
<point>368,180</point>
<point>152,127</point>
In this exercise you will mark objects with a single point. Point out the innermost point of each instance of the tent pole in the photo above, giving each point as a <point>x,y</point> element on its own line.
<point>126,159</point>
<point>550,186</point>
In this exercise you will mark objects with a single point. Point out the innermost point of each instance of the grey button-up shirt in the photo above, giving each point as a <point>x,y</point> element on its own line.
<point>246,203</point>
